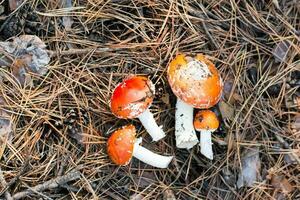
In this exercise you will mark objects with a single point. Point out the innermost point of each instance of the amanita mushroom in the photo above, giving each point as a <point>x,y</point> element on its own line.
<point>122,145</point>
<point>206,122</point>
<point>197,84</point>
<point>132,99</point>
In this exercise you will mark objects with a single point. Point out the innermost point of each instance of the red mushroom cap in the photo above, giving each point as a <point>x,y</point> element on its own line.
<point>120,145</point>
<point>132,97</point>
<point>206,120</point>
<point>196,81</point>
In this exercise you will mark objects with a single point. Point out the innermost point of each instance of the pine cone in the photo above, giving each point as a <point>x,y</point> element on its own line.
<point>76,120</point>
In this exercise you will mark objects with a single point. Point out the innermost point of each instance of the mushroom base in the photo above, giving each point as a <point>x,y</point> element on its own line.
<point>206,144</point>
<point>184,128</point>
<point>149,157</point>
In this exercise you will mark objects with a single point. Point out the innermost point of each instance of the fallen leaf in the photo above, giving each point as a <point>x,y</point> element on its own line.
<point>226,110</point>
<point>228,176</point>
<point>281,50</point>
<point>278,181</point>
<point>136,197</point>
<point>296,124</point>
<point>27,54</point>
<point>166,99</point>
<point>250,171</point>
<point>67,21</point>
<point>169,195</point>
<point>5,128</point>
<point>14,4</point>
<point>231,96</point>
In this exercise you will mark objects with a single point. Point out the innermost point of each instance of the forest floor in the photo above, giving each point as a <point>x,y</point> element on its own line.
<point>54,126</point>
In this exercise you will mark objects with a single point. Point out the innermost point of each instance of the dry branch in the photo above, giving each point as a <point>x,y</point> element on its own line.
<point>51,184</point>
<point>4,184</point>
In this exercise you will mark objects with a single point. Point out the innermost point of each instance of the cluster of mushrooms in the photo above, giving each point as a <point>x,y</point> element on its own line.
<point>197,84</point>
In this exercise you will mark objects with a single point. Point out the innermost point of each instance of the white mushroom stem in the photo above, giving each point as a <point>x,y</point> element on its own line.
<point>149,157</point>
<point>184,128</point>
<point>206,144</point>
<point>148,121</point>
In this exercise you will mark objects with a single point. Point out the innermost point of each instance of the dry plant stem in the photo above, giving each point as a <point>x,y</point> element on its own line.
<point>151,126</point>
<point>184,129</point>
<point>149,157</point>
<point>286,145</point>
<point>71,176</point>
<point>79,51</point>
<point>4,184</point>
<point>13,180</point>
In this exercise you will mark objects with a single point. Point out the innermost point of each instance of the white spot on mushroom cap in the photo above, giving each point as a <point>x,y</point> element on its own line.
<point>135,108</point>
<point>195,70</point>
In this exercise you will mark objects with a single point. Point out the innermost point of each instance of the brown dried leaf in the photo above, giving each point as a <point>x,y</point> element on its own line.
<point>281,50</point>
<point>230,95</point>
<point>28,54</point>
<point>296,124</point>
<point>281,183</point>
<point>137,197</point>
<point>226,110</point>
<point>169,195</point>
<point>5,128</point>
<point>67,20</point>
<point>14,4</point>
<point>250,172</point>
<point>166,99</point>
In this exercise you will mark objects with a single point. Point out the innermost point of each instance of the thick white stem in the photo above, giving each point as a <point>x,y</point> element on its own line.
<point>206,144</point>
<point>148,121</point>
<point>149,157</point>
<point>184,128</point>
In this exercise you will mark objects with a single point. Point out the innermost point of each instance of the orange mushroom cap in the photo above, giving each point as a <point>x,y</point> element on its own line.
<point>196,81</point>
<point>120,145</point>
<point>132,97</point>
<point>206,120</point>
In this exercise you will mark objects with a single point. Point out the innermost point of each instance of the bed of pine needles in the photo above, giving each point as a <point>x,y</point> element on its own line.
<point>62,121</point>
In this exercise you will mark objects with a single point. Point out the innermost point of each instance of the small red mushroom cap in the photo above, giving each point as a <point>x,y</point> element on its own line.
<point>132,97</point>
<point>195,80</point>
<point>206,120</point>
<point>120,145</point>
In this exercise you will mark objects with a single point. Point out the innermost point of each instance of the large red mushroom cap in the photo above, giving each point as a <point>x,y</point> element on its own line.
<point>120,145</point>
<point>132,97</point>
<point>195,80</point>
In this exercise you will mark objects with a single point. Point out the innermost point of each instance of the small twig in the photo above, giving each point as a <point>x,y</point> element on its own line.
<point>13,180</point>
<point>79,51</point>
<point>4,184</point>
<point>287,146</point>
<point>51,184</point>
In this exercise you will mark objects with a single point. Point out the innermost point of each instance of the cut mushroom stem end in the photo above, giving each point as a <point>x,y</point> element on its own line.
<point>206,144</point>
<point>148,121</point>
<point>184,130</point>
<point>149,157</point>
